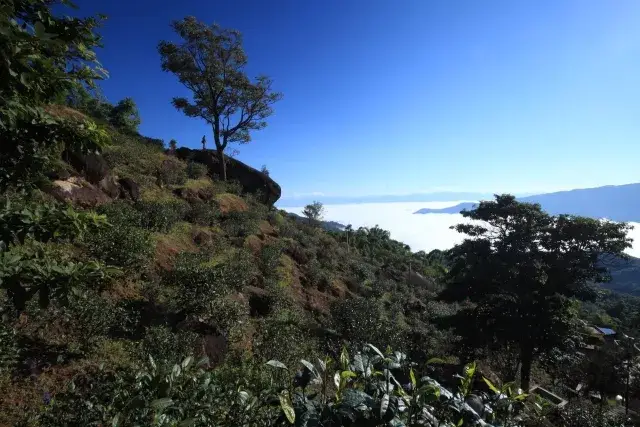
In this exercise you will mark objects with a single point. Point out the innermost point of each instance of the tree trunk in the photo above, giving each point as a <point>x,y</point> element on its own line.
<point>223,165</point>
<point>526,357</point>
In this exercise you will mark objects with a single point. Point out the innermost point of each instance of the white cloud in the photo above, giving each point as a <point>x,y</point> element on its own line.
<point>421,232</point>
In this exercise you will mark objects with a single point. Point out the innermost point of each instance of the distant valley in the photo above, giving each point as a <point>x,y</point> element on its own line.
<point>614,202</point>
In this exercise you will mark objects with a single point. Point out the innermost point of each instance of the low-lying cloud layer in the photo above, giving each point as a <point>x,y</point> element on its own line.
<point>421,232</point>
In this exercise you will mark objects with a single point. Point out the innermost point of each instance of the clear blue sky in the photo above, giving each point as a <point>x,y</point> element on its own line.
<point>399,96</point>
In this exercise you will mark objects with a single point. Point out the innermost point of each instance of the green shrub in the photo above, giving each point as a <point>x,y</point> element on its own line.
<point>234,187</point>
<point>359,320</point>
<point>92,317</point>
<point>196,170</point>
<point>226,313</point>
<point>199,282</point>
<point>167,347</point>
<point>8,348</point>
<point>204,213</point>
<point>284,335</point>
<point>172,172</point>
<point>121,213</point>
<point>240,224</point>
<point>161,215</point>
<point>121,246</point>
<point>270,258</point>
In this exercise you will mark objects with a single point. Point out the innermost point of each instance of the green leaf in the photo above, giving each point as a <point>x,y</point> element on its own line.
<point>161,404</point>
<point>277,364</point>
<point>188,422</point>
<point>460,422</point>
<point>435,360</point>
<point>344,358</point>
<point>348,374</point>
<point>384,405</point>
<point>39,29</point>
<point>287,408</point>
<point>374,348</point>
<point>413,379</point>
<point>115,421</point>
<point>186,362</point>
<point>490,385</point>
<point>310,367</point>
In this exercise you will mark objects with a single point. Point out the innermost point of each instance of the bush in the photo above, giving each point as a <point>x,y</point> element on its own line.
<point>204,213</point>
<point>172,172</point>
<point>196,170</point>
<point>270,258</point>
<point>240,224</point>
<point>361,320</point>
<point>167,347</point>
<point>121,213</point>
<point>92,317</point>
<point>121,246</point>
<point>160,216</point>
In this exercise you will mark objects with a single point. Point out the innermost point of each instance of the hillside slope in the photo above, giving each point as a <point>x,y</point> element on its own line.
<point>205,267</point>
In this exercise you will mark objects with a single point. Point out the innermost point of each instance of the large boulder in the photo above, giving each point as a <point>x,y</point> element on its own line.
<point>91,165</point>
<point>252,180</point>
<point>78,192</point>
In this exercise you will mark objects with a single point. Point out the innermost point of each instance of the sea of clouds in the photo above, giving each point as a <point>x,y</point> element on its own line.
<point>421,232</point>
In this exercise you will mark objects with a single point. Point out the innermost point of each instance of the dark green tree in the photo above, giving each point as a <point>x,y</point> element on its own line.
<point>173,145</point>
<point>124,115</point>
<point>44,56</point>
<point>522,268</point>
<point>314,211</point>
<point>210,61</point>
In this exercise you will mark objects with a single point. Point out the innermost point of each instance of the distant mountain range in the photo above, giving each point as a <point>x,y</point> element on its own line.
<point>614,202</point>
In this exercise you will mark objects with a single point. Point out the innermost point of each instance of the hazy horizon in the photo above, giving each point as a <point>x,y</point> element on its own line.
<point>420,232</point>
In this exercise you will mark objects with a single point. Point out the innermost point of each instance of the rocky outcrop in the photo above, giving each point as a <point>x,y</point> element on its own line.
<point>129,189</point>
<point>252,180</point>
<point>92,166</point>
<point>78,192</point>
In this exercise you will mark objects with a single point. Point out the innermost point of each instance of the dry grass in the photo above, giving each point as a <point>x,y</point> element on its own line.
<point>67,113</point>
<point>231,203</point>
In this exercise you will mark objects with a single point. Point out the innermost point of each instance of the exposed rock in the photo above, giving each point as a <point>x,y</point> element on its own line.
<point>252,180</point>
<point>193,195</point>
<point>109,185</point>
<point>78,192</point>
<point>59,174</point>
<point>92,166</point>
<point>129,189</point>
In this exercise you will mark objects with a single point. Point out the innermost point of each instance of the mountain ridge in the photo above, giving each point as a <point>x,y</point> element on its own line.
<point>613,202</point>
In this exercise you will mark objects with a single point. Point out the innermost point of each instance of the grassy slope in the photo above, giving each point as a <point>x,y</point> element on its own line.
<point>283,279</point>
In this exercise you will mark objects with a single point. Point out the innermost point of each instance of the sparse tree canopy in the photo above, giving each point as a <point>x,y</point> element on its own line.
<point>314,211</point>
<point>210,62</point>
<point>522,268</point>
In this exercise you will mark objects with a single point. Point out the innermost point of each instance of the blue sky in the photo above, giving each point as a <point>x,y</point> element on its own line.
<point>400,96</point>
